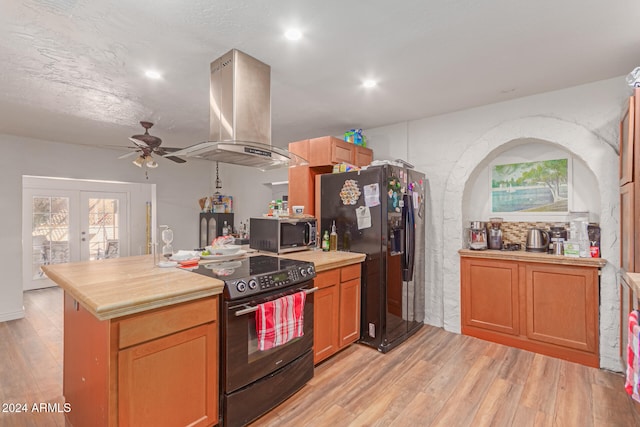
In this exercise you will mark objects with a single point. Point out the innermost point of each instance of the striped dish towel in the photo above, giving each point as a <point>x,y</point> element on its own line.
<point>633,357</point>
<point>281,320</point>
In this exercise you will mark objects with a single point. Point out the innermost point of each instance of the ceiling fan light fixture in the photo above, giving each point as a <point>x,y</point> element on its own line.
<point>150,162</point>
<point>139,161</point>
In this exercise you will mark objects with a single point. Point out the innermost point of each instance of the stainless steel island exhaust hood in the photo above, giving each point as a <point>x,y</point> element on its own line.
<point>240,116</point>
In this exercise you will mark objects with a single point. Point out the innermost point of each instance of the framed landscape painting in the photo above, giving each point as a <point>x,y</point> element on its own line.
<point>540,187</point>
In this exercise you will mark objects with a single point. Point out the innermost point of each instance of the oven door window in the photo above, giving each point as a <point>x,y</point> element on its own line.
<point>292,235</point>
<point>243,362</point>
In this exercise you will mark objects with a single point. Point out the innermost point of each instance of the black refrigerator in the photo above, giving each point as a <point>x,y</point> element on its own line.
<point>380,212</point>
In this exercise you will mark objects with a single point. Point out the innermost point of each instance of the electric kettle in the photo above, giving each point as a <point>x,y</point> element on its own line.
<point>537,240</point>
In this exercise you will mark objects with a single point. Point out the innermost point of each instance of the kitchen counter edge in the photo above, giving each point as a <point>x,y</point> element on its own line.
<point>533,257</point>
<point>118,287</point>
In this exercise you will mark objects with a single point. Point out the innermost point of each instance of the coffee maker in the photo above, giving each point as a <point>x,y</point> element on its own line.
<point>495,233</point>
<point>477,235</point>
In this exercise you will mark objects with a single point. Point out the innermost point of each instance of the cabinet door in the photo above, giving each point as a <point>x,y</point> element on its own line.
<point>329,150</point>
<point>628,303</point>
<point>326,311</point>
<point>562,306</point>
<point>490,295</point>
<point>363,156</point>
<point>627,227</point>
<point>170,381</point>
<point>627,142</point>
<point>349,329</point>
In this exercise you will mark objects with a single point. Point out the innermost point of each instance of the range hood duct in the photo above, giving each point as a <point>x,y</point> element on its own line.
<point>240,116</point>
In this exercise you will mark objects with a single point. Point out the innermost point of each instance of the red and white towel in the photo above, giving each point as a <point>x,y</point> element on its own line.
<point>632,382</point>
<point>281,320</point>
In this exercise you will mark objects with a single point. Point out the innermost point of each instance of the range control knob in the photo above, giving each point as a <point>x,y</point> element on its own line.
<point>303,272</point>
<point>253,284</point>
<point>241,286</point>
<point>310,270</point>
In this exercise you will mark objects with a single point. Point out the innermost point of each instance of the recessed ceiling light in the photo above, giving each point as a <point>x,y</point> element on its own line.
<point>153,74</point>
<point>369,83</point>
<point>293,34</point>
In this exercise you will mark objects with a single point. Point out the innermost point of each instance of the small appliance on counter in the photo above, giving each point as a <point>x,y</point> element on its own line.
<point>557,237</point>
<point>477,232</point>
<point>537,240</point>
<point>281,235</point>
<point>495,233</point>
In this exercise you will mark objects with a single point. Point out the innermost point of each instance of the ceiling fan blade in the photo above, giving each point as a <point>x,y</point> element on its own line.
<point>138,142</point>
<point>176,159</point>
<point>124,156</point>
<point>169,149</point>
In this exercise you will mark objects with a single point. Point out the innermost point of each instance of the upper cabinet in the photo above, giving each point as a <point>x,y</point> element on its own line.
<point>321,153</point>
<point>630,184</point>
<point>627,141</point>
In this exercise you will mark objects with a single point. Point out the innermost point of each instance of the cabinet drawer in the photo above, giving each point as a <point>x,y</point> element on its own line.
<point>147,326</point>
<point>327,278</point>
<point>349,273</point>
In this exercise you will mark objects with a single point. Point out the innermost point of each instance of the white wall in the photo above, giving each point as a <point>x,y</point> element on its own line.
<point>178,188</point>
<point>450,149</point>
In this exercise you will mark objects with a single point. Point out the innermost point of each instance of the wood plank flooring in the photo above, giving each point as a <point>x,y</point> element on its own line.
<point>434,379</point>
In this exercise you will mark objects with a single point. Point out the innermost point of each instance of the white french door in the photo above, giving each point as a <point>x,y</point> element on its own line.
<point>102,225</point>
<point>62,226</point>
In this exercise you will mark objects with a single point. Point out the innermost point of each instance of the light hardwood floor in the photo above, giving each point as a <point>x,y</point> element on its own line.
<point>434,379</point>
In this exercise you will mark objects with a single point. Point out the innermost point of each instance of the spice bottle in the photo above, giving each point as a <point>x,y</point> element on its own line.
<point>325,241</point>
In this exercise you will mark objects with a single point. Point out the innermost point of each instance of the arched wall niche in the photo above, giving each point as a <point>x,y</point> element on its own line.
<point>597,161</point>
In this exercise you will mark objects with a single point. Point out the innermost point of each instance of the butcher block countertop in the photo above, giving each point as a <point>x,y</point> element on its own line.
<point>112,288</point>
<point>117,287</point>
<point>633,279</point>
<point>325,260</point>
<point>534,257</point>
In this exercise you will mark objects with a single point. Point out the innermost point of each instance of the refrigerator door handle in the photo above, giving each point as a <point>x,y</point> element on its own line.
<point>410,238</point>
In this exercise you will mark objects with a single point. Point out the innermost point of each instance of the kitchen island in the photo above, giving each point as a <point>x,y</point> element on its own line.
<point>539,302</point>
<point>131,327</point>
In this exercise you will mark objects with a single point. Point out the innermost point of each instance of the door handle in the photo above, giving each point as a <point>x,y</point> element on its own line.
<point>255,308</point>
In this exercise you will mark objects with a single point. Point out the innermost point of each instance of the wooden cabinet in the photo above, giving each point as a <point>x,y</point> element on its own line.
<point>544,308</point>
<point>326,314</point>
<point>322,153</point>
<point>490,295</point>
<point>362,156</point>
<point>153,368</point>
<point>562,306</point>
<point>336,311</point>
<point>628,303</point>
<point>630,184</point>
<point>629,134</point>
<point>329,150</point>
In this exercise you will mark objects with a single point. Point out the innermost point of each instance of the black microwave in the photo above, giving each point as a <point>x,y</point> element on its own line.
<point>281,235</point>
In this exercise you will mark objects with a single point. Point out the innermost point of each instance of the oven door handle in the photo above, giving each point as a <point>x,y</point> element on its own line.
<point>255,308</point>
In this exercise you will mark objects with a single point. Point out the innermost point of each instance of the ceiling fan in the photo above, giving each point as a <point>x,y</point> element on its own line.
<point>146,145</point>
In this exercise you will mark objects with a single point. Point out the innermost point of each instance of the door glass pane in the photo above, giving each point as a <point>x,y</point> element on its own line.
<point>49,233</point>
<point>104,235</point>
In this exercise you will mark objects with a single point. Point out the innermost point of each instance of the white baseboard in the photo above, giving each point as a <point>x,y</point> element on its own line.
<point>4,317</point>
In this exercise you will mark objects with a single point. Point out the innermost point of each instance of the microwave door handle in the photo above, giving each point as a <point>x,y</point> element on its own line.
<point>307,235</point>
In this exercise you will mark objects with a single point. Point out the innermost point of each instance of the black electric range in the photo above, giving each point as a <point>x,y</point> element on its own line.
<point>257,274</point>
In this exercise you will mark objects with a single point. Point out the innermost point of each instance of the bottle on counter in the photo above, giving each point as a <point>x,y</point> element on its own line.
<point>325,241</point>
<point>225,229</point>
<point>333,238</point>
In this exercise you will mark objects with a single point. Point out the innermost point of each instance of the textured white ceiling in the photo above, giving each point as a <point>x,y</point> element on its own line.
<point>72,70</point>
